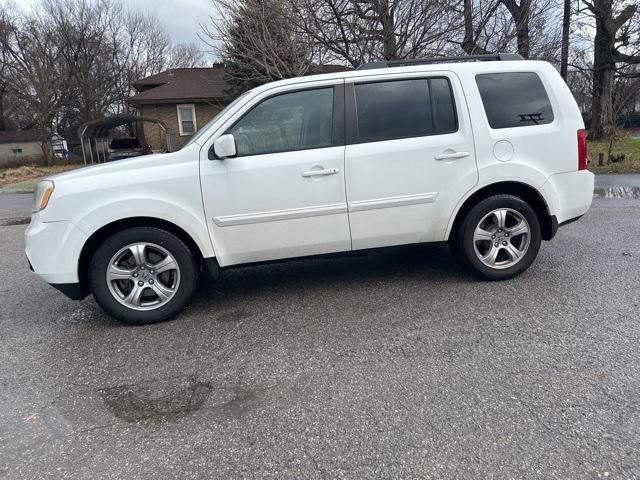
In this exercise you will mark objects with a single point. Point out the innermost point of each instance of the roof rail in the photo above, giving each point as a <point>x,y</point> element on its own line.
<point>427,61</point>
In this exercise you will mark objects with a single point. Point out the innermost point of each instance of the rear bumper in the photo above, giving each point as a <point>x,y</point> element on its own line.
<point>569,195</point>
<point>554,225</point>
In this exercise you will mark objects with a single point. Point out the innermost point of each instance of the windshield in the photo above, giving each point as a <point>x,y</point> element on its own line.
<point>202,130</point>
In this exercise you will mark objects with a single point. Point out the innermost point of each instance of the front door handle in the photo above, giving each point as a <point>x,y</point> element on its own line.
<point>451,156</point>
<point>320,173</point>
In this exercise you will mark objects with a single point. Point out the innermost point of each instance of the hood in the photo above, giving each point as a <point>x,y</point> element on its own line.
<point>124,165</point>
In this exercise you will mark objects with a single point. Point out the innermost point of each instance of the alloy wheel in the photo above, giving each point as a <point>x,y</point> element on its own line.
<point>143,276</point>
<point>501,239</point>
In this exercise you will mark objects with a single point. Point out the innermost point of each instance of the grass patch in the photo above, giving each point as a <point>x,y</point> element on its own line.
<point>25,178</point>
<point>628,145</point>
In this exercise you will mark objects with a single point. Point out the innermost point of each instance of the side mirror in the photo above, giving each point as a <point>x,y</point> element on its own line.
<point>225,146</point>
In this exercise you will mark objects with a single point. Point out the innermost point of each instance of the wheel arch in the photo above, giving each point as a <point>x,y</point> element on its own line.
<point>104,232</point>
<point>525,191</point>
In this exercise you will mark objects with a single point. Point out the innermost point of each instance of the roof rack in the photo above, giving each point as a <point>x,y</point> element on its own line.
<point>427,61</point>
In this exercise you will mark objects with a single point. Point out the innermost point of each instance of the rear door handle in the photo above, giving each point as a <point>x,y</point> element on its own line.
<point>451,156</point>
<point>320,173</point>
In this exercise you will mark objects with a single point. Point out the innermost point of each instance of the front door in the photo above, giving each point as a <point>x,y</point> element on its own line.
<point>283,195</point>
<point>409,159</point>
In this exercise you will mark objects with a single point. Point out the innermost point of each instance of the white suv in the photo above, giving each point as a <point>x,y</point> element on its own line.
<point>487,153</point>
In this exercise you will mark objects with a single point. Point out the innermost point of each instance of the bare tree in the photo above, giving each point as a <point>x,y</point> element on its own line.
<point>140,48</point>
<point>185,55</point>
<point>355,31</point>
<point>35,72</point>
<point>6,27</point>
<point>70,61</point>
<point>529,27</point>
<point>486,27</point>
<point>88,88</point>
<point>257,42</point>
<point>566,30</point>
<point>615,45</point>
<point>521,13</point>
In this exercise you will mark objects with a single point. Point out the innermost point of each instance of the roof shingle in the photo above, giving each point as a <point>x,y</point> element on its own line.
<point>181,84</point>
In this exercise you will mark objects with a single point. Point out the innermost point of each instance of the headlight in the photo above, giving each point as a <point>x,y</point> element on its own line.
<point>42,196</point>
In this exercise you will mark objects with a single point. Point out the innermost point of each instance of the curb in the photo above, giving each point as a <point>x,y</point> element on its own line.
<point>9,222</point>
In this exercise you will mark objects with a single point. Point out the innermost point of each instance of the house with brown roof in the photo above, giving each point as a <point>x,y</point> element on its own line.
<point>184,99</point>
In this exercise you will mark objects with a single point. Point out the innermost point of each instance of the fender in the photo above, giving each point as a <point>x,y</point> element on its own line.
<point>504,172</point>
<point>166,187</point>
<point>192,224</point>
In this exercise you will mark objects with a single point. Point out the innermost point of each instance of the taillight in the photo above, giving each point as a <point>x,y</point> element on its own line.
<point>583,154</point>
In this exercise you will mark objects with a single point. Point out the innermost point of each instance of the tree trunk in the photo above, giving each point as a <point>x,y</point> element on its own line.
<point>603,76</point>
<point>45,144</point>
<point>46,151</point>
<point>468,45</point>
<point>3,123</point>
<point>389,44</point>
<point>566,26</point>
<point>520,14</point>
<point>523,35</point>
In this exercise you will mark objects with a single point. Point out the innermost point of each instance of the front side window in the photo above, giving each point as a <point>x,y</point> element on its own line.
<point>203,130</point>
<point>404,108</point>
<point>187,119</point>
<point>514,99</point>
<point>291,121</point>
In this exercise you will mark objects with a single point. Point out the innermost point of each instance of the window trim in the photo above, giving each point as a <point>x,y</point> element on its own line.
<point>540,78</point>
<point>192,106</point>
<point>337,119</point>
<point>351,112</point>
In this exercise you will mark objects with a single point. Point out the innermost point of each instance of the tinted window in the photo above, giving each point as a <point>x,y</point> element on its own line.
<point>124,143</point>
<point>404,108</point>
<point>443,107</point>
<point>514,99</point>
<point>293,121</point>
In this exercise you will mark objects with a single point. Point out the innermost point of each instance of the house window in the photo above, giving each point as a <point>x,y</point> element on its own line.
<point>16,151</point>
<point>187,119</point>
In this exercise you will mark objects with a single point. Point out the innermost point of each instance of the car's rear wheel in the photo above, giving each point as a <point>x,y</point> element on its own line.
<point>498,238</point>
<point>143,275</point>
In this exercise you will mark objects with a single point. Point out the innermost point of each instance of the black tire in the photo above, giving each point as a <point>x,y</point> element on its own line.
<point>462,244</point>
<point>188,271</point>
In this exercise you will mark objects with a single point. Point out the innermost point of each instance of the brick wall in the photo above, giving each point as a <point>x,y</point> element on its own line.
<point>168,113</point>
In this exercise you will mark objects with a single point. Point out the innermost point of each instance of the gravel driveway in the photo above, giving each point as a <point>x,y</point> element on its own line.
<point>392,365</point>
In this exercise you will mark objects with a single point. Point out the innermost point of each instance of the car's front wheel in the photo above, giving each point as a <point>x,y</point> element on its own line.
<point>498,238</point>
<point>143,275</point>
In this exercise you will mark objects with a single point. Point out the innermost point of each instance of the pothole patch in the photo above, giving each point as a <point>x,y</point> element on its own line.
<point>158,400</point>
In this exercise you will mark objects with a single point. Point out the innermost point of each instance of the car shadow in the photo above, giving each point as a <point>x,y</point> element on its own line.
<point>332,276</point>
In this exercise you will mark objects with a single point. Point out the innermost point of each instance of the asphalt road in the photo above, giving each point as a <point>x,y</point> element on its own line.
<point>393,365</point>
<point>15,208</point>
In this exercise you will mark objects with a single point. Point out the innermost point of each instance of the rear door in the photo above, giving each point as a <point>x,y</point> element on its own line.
<point>409,157</point>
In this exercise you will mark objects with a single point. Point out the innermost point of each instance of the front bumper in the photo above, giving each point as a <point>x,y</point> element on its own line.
<point>53,250</point>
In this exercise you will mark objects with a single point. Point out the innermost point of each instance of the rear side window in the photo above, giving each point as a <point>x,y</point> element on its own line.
<point>514,99</point>
<point>404,108</point>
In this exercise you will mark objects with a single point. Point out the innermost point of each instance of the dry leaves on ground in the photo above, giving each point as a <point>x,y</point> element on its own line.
<point>29,172</point>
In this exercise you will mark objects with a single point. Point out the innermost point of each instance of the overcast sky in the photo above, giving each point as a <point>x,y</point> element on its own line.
<point>181,17</point>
